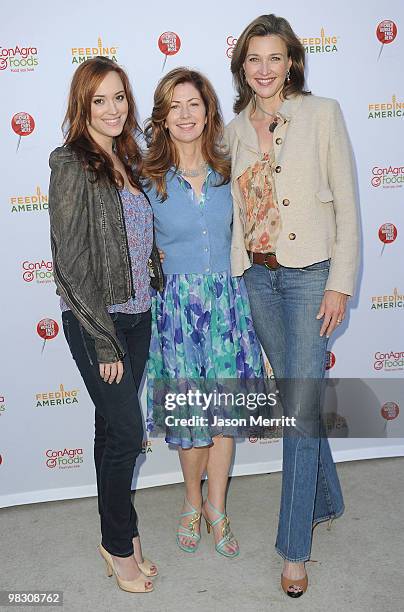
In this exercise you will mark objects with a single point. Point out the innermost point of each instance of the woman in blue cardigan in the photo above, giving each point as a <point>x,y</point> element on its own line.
<point>201,322</point>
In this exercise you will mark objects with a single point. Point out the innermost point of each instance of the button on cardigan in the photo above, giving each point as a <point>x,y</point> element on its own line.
<point>195,237</point>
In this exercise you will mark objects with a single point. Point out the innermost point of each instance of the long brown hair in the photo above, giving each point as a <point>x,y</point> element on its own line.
<point>266,25</point>
<point>162,153</point>
<point>85,82</point>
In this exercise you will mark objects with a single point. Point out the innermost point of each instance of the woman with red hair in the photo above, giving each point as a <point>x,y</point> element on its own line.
<point>103,252</point>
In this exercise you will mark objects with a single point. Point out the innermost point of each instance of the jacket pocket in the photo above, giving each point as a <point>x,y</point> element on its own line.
<point>325,195</point>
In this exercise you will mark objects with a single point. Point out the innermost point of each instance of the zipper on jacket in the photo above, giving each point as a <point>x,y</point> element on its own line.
<point>84,313</point>
<point>121,218</point>
<point>111,291</point>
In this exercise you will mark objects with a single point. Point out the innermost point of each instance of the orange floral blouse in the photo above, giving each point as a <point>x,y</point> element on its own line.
<point>263,221</point>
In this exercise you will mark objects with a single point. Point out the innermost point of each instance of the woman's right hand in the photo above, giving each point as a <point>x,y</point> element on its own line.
<point>162,255</point>
<point>111,372</point>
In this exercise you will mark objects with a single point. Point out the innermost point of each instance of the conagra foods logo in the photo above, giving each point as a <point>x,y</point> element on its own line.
<point>387,177</point>
<point>392,360</point>
<point>39,271</point>
<point>18,59</point>
<point>66,458</point>
<point>272,435</point>
<point>231,45</point>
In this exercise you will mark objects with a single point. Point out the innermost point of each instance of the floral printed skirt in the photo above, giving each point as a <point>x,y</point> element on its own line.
<point>201,330</point>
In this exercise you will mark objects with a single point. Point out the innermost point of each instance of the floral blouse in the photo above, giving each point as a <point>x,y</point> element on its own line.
<point>263,221</point>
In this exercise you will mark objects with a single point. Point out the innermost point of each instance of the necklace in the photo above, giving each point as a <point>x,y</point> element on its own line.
<point>275,116</point>
<point>196,172</point>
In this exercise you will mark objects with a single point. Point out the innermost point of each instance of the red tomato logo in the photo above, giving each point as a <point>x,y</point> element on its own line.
<point>390,411</point>
<point>23,124</point>
<point>387,233</point>
<point>330,363</point>
<point>169,43</point>
<point>47,329</point>
<point>386,31</point>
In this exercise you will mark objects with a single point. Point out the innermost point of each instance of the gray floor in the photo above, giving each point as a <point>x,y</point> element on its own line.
<point>358,563</point>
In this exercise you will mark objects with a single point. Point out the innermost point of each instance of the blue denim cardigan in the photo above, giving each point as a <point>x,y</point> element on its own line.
<point>195,237</point>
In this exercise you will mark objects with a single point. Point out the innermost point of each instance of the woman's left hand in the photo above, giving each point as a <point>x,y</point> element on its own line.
<point>332,308</point>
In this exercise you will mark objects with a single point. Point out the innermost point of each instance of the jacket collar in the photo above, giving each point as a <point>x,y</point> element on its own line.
<point>245,130</point>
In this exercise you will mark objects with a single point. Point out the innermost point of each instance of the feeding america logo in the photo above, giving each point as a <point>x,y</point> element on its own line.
<point>325,43</point>
<point>35,202</point>
<point>81,54</point>
<point>60,397</point>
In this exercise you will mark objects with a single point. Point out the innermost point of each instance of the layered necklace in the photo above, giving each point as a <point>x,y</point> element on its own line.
<point>199,171</point>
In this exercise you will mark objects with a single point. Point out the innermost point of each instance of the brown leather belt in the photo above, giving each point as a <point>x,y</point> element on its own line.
<point>264,259</point>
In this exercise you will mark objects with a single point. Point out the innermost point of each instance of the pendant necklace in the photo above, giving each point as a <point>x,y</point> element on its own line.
<point>275,117</point>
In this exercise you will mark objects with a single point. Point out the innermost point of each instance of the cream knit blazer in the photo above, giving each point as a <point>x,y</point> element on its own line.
<point>316,188</point>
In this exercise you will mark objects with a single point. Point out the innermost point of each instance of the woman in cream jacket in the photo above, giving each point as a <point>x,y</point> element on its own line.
<point>295,239</point>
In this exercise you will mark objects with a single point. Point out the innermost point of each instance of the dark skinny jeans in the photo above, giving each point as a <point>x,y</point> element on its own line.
<point>118,423</point>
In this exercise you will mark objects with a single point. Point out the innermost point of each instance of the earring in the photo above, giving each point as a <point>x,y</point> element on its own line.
<point>287,76</point>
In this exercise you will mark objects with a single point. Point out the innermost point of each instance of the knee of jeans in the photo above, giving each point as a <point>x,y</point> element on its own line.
<point>124,451</point>
<point>127,435</point>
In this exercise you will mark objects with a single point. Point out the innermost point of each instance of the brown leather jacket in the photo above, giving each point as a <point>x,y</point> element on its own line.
<point>90,251</point>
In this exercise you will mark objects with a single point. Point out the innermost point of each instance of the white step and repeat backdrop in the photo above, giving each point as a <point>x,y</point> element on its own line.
<point>354,54</point>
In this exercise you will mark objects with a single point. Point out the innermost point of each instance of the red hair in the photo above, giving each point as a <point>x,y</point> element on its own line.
<point>162,152</point>
<point>87,78</point>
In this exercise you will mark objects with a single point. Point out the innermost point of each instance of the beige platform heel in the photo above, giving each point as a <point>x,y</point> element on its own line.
<point>140,585</point>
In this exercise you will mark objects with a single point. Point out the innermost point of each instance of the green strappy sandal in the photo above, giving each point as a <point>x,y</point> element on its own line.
<point>189,531</point>
<point>227,535</point>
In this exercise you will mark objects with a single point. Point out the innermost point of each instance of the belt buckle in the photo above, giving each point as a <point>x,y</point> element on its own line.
<point>268,265</point>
